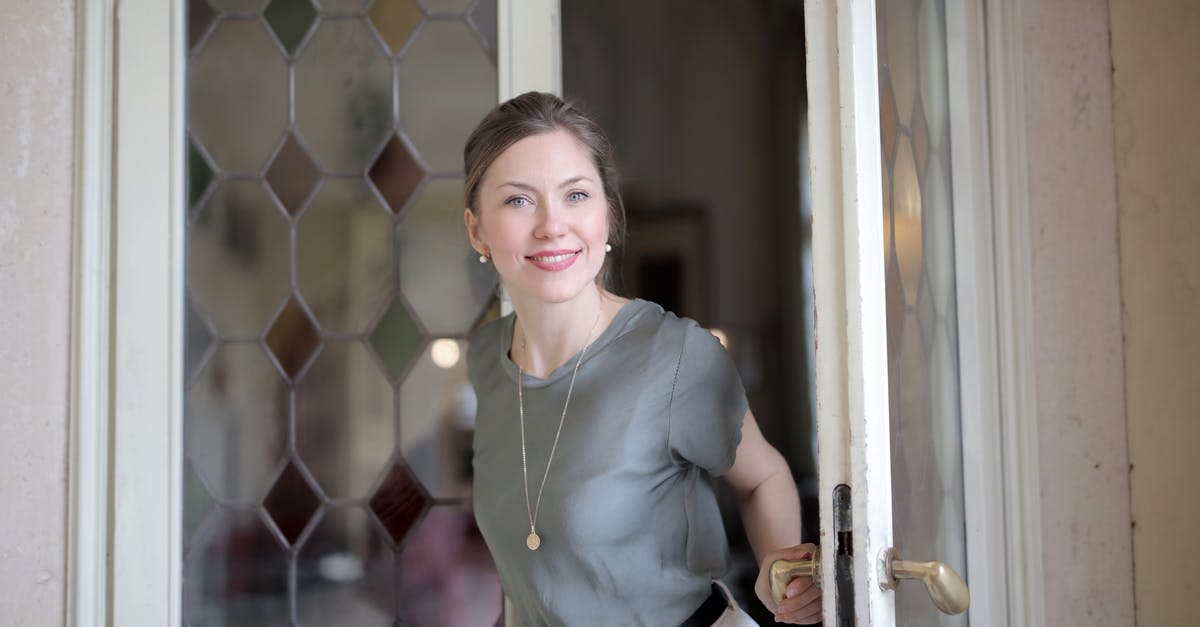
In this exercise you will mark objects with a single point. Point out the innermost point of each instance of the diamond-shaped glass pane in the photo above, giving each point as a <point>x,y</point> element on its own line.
<point>292,175</point>
<point>457,88</point>
<point>350,573</point>
<point>238,253</point>
<point>915,434</point>
<point>200,17</point>
<point>292,338</point>
<point>199,174</point>
<point>345,419</point>
<point>889,125</point>
<point>931,33</point>
<point>396,174</point>
<point>396,339</point>
<point>938,234</point>
<point>920,140</point>
<point>465,590</point>
<point>197,343</point>
<point>437,417</point>
<point>399,502</point>
<point>439,272</point>
<point>926,317</point>
<point>395,20</point>
<point>238,95</point>
<point>236,573</point>
<point>344,95</point>
<point>290,21</point>
<point>901,25</point>
<point>906,218</point>
<point>345,267</point>
<point>196,503</point>
<point>291,502</point>
<point>483,18</point>
<point>895,307</point>
<point>235,422</point>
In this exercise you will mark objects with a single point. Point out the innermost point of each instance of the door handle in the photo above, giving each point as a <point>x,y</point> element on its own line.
<point>946,588</point>
<point>784,571</point>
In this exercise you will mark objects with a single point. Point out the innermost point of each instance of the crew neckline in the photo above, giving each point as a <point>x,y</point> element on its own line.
<point>609,333</point>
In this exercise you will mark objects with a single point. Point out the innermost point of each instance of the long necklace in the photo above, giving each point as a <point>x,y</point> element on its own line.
<point>533,540</point>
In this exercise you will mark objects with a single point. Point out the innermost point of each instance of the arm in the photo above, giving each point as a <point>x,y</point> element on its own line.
<point>770,509</point>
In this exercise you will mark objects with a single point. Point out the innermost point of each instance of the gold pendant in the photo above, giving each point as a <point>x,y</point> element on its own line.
<point>533,541</point>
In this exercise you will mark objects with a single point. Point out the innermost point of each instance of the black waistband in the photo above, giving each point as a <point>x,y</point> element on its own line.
<point>709,611</point>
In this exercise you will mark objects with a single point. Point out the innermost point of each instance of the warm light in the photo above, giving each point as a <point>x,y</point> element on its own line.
<point>445,353</point>
<point>721,336</point>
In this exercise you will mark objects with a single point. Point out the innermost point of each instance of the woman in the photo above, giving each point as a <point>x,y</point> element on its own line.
<point>602,420</point>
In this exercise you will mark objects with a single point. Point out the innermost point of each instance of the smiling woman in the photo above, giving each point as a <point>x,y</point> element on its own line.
<point>616,509</point>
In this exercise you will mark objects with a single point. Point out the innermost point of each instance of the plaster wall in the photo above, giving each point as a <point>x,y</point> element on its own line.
<point>36,135</point>
<point>1158,181</point>
<point>1078,357</point>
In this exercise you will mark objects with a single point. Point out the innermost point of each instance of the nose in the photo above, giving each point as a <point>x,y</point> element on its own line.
<point>550,222</point>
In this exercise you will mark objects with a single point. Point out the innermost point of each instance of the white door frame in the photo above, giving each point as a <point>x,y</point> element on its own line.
<point>126,388</point>
<point>995,321</point>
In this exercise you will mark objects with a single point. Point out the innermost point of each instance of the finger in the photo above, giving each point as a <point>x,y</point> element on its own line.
<point>797,586</point>
<point>794,602</point>
<point>804,616</point>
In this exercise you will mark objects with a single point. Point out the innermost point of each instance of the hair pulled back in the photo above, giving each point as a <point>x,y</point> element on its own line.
<point>538,113</point>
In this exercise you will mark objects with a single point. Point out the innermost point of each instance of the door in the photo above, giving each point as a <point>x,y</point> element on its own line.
<point>330,290</point>
<point>890,416</point>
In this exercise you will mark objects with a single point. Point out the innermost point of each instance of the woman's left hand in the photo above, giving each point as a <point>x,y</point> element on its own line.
<point>802,602</point>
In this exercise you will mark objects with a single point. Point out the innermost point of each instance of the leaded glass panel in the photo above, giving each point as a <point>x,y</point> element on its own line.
<point>327,421</point>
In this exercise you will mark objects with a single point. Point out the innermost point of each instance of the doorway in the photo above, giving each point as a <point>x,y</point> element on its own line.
<point>705,106</point>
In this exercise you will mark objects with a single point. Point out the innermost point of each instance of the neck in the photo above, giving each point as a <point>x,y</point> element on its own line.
<point>546,335</point>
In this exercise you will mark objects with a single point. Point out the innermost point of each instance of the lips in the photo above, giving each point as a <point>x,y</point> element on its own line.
<point>554,260</point>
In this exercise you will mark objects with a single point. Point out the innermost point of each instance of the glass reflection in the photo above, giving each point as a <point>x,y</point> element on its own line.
<point>344,95</point>
<point>447,575</point>
<point>437,418</point>
<point>345,573</point>
<point>345,421</point>
<point>235,422</point>
<point>444,58</point>
<point>238,95</point>
<point>439,272</point>
<point>238,251</point>
<point>344,256</point>
<point>235,574</point>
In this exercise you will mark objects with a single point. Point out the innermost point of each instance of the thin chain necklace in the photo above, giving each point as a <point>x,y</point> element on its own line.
<point>533,540</point>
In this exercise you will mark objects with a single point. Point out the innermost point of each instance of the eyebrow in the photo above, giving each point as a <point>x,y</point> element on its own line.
<point>519,185</point>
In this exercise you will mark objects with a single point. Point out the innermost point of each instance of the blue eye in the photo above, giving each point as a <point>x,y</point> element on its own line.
<point>517,201</point>
<point>577,196</point>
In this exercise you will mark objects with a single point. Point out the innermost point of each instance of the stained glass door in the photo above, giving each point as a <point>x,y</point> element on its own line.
<point>330,291</point>
<point>928,512</point>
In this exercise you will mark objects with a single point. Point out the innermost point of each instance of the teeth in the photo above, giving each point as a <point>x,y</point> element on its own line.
<point>553,258</point>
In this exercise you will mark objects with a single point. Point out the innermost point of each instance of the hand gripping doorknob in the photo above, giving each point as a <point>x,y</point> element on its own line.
<point>946,588</point>
<point>784,571</point>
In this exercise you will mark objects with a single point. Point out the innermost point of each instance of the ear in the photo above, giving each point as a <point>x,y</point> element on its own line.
<point>473,231</point>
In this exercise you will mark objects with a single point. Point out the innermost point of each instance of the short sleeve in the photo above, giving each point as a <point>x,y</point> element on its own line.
<point>708,404</point>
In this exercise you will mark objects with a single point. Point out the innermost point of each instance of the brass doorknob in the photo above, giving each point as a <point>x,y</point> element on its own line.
<point>784,571</point>
<point>946,588</point>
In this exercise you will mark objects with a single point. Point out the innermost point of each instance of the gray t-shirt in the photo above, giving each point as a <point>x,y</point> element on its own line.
<point>630,530</point>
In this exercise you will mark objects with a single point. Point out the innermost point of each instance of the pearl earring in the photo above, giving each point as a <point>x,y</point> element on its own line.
<point>483,259</point>
<point>608,248</point>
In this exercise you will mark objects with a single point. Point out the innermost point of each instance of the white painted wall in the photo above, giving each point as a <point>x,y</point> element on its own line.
<point>36,151</point>
<point>1076,300</point>
<point>1155,88</point>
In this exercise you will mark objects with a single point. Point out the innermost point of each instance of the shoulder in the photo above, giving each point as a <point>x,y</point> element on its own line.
<point>486,341</point>
<point>651,322</point>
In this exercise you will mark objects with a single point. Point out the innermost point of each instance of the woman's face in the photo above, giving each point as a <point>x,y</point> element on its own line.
<point>543,218</point>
